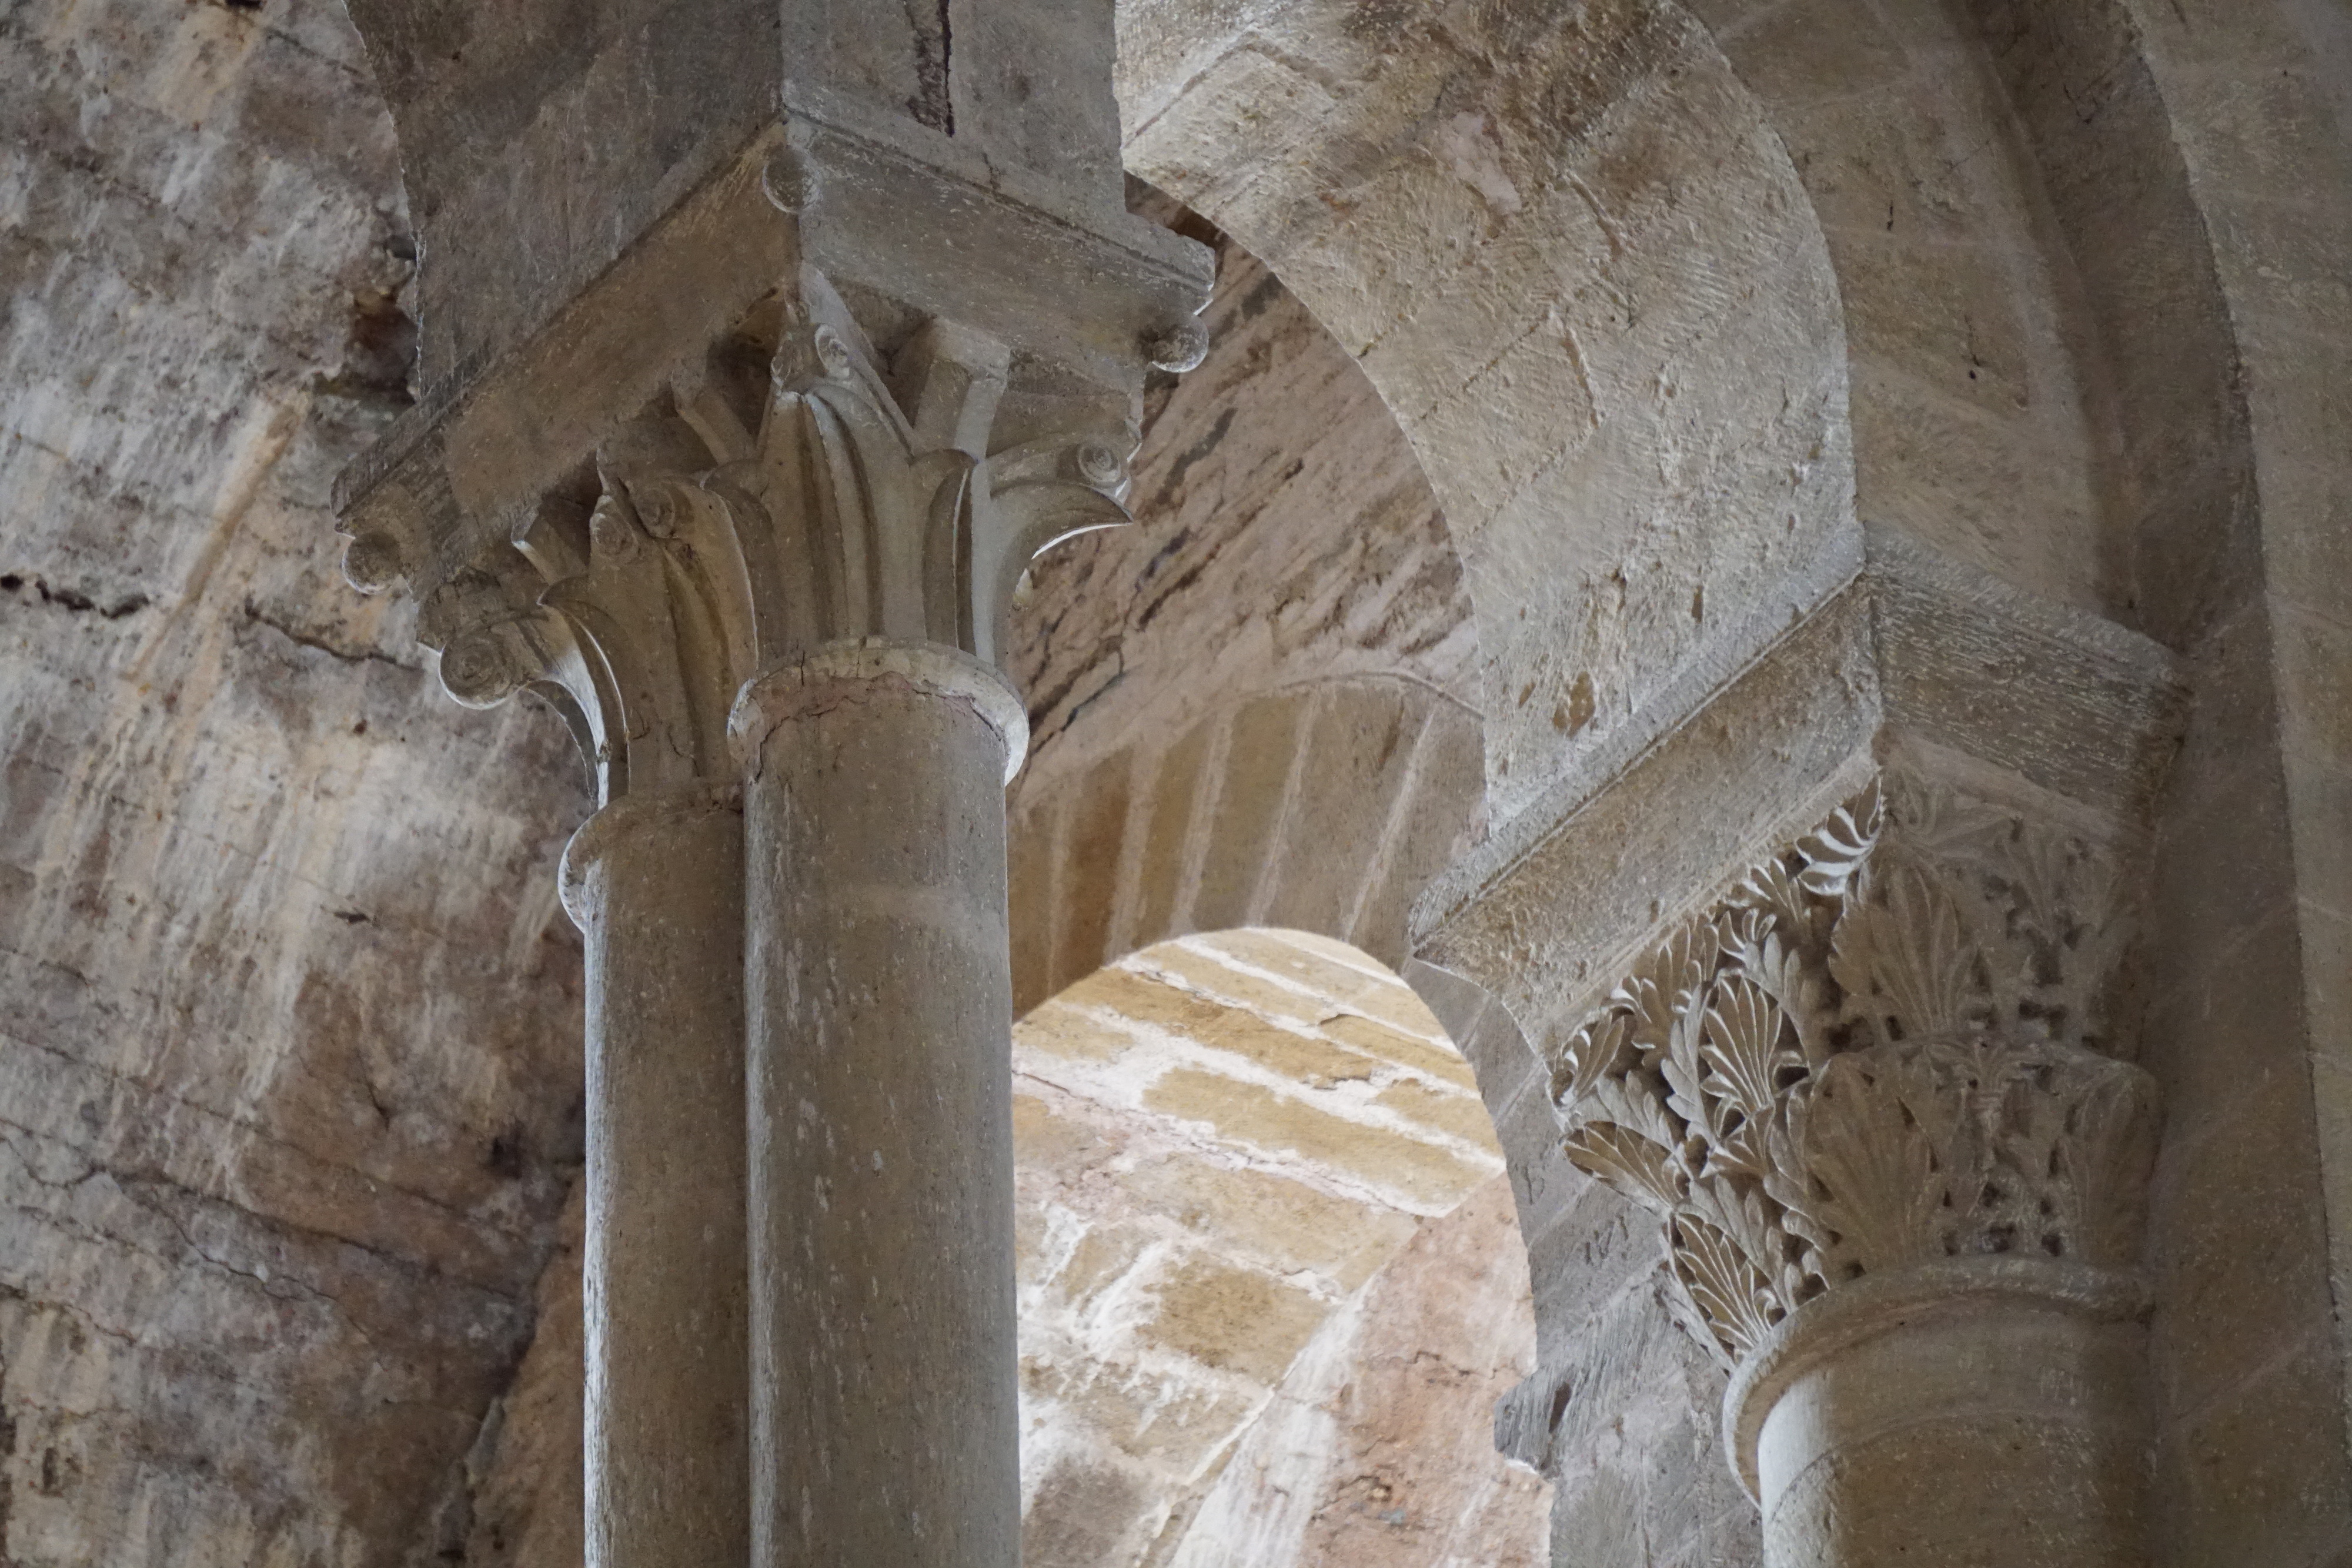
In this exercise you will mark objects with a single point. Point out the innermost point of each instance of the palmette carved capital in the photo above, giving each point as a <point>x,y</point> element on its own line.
<point>1888,1047</point>
<point>831,500</point>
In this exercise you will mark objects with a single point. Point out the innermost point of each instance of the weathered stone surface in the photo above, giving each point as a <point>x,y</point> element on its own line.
<point>291,994</point>
<point>1266,1348</point>
<point>1275,493</point>
<point>1542,230</point>
<point>1361,1456</point>
<point>292,1071</point>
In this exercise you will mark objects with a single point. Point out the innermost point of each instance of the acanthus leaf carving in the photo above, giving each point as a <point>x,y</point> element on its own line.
<point>1883,1048</point>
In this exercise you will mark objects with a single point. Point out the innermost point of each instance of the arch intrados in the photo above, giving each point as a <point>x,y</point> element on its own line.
<point>1549,240</point>
<point>1325,806</point>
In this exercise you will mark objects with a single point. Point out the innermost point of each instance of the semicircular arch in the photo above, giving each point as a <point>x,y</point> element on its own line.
<point>1324,806</point>
<point>1577,261</point>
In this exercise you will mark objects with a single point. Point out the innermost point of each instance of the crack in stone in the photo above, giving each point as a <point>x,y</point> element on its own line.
<point>334,649</point>
<point>262,1136</point>
<point>72,599</point>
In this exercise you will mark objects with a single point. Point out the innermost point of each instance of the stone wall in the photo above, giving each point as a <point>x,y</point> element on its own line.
<point>290,1088</point>
<point>1271,1282</point>
<point>1666,299</point>
<point>2255,1229</point>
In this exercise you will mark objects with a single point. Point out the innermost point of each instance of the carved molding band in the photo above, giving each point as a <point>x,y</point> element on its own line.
<point>811,680</point>
<point>1887,1047</point>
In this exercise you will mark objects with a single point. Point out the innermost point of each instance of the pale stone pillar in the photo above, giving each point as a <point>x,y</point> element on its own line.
<point>1874,1094</point>
<point>656,883</point>
<point>1977,1411</point>
<point>879,984</point>
<point>818,415</point>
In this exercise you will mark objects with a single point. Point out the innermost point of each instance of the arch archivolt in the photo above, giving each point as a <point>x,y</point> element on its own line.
<point>1324,806</point>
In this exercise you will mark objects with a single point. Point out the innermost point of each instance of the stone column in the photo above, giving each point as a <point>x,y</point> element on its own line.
<point>656,883</point>
<point>1975,1411</point>
<point>1876,1098</point>
<point>876,742</point>
<point>809,425</point>
<point>881,1008</point>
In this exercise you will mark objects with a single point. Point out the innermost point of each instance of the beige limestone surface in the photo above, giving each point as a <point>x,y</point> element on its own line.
<point>1272,1282</point>
<point>2077,279</point>
<point>290,1047</point>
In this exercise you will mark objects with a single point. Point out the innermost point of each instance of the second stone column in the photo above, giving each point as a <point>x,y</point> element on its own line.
<point>878,992</point>
<point>656,883</point>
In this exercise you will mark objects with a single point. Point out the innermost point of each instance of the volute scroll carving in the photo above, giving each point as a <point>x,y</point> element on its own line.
<point>827,497</point>
<point>1889,1046</point>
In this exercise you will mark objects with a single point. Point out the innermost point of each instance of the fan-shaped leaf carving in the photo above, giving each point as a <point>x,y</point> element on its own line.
<point>1881,1188</point>
<point>1737,1298</point>
<point>1871,1055</point>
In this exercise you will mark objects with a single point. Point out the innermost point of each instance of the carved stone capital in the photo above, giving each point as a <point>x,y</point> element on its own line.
<point>846,387</point>
<point>1889,1047</point>
<point>809,493</point>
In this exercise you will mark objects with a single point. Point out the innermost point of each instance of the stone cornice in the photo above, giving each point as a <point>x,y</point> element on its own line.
<point>1915,658</point>
<point>1546,920</point>
<point>2072,704</point>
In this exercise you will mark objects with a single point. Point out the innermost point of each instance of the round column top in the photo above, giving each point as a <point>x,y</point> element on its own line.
<point>1879,1304</point>
<point>802,681</point>
<point>625,818</point>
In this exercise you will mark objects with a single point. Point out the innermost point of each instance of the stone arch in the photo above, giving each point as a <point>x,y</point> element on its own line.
<point>1324,806</point>
<point>2050,361</point>
<point>1543,230</point>
<point>1975,214</point>
<point>1984,420</point>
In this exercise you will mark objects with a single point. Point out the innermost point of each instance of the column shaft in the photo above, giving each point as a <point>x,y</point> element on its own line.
<point>1977,1414</point>
<point>656,884</point>
<point>879,994</point>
